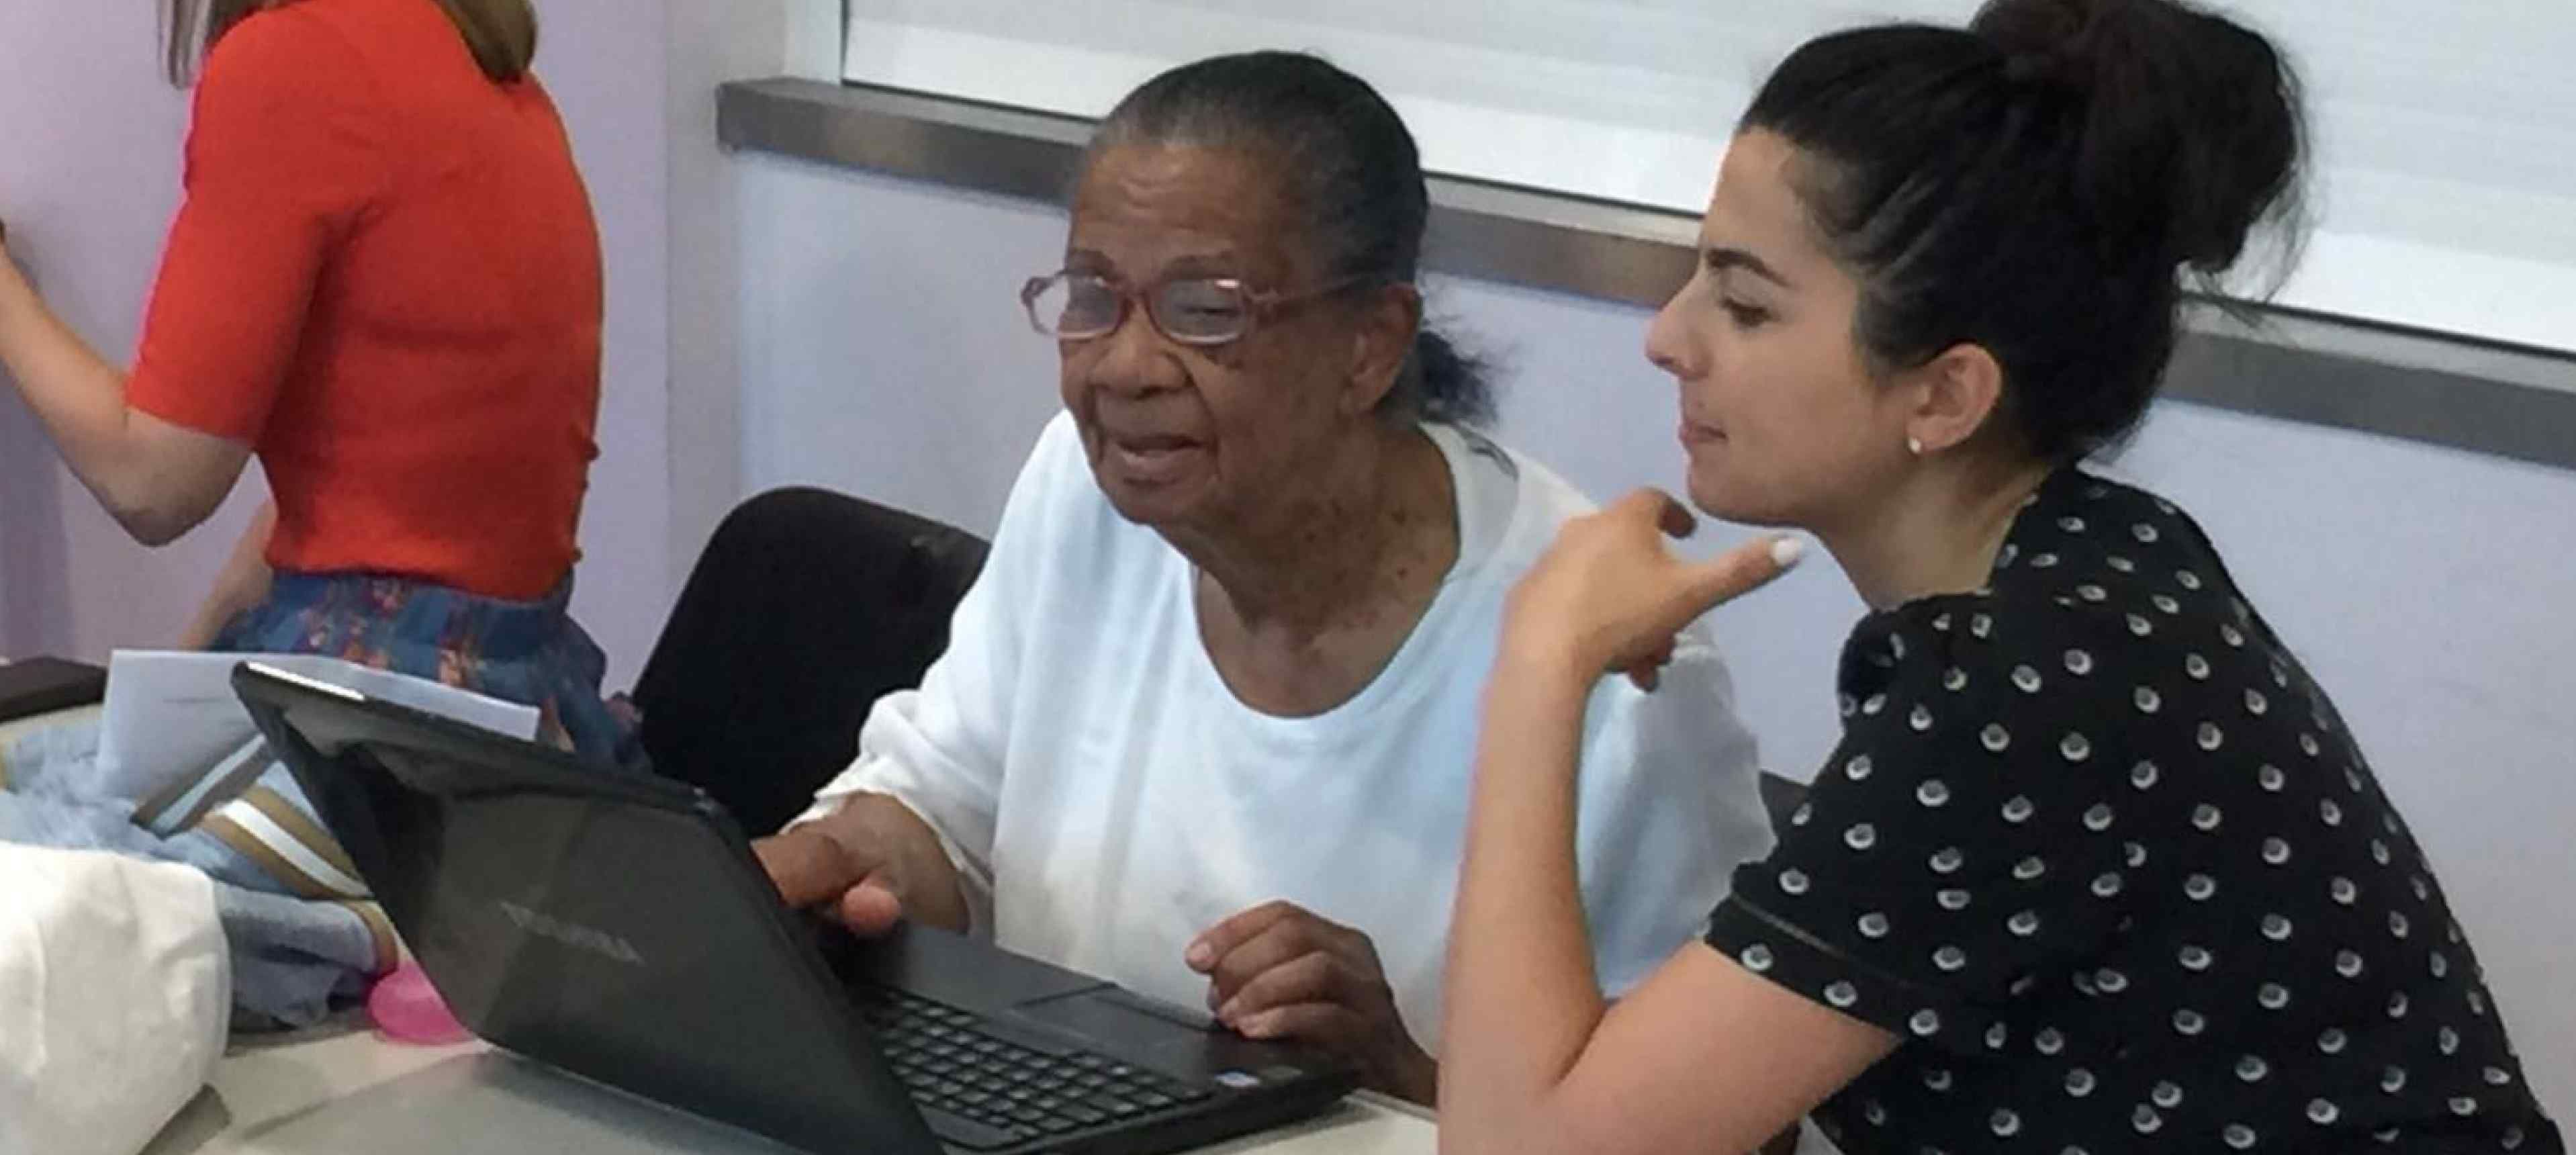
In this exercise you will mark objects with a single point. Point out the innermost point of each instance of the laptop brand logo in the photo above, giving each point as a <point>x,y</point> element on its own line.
<point>572,934</point>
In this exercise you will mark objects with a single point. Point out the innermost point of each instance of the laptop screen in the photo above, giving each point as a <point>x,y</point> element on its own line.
<point>615,928</point>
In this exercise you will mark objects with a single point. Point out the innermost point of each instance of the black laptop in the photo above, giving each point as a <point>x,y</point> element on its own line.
<point>617,927</point>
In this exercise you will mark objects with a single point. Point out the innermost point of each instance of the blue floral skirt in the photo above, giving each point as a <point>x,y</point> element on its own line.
<point>529,652</point>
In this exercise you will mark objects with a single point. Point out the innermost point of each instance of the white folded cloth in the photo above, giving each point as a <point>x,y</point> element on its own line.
<point>115,994</point>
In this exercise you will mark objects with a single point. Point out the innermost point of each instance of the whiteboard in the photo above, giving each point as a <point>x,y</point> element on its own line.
<point>2446,134</point>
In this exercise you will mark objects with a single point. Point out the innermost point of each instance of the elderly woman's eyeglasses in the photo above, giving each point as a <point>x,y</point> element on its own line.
<point>1075,306</point>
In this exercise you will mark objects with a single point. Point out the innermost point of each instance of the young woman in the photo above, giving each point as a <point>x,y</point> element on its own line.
<point>384,284</point>
<point>2096,866</point>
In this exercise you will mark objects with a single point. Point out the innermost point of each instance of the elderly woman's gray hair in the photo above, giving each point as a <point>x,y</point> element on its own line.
<point>1352,175</point>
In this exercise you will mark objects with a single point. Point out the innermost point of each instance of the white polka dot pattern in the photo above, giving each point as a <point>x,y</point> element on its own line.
<point>2097,851</point>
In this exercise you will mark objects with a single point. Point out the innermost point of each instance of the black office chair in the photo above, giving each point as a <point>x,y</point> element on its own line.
<point>804,609</point>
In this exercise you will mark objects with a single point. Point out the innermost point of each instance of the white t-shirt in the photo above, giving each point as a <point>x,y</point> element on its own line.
<point>1106,797</point>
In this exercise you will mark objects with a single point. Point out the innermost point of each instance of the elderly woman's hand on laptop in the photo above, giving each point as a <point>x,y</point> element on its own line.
<point>868,865</point>
<point>1280,971</point>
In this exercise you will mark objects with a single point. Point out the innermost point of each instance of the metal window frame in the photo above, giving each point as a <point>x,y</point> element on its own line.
<point>2505,400</point>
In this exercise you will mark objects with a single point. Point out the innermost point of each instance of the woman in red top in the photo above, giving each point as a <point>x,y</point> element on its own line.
<point>384,283</point>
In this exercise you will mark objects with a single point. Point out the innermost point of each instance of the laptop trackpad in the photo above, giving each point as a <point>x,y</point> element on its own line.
<point>1171,1039</point>
<point>1113,1015</point>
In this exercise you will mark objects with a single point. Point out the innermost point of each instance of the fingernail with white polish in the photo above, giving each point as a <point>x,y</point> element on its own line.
<point>1786,552</point>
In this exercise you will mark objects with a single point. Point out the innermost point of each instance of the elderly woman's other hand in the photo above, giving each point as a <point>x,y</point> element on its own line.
<point>1279,971</point>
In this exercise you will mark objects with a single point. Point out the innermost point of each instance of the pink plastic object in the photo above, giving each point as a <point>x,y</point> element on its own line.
<point>408,1010</point>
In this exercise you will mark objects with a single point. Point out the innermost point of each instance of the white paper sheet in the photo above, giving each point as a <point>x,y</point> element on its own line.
<point>172,715</point>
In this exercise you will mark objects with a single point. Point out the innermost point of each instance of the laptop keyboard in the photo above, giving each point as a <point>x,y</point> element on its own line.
<point>1012,1093</point>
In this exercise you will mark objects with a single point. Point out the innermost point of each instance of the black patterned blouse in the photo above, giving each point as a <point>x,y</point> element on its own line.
<point>2102,855</point>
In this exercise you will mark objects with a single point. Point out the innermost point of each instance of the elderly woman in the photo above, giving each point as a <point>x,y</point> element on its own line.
<point>1205,722</point>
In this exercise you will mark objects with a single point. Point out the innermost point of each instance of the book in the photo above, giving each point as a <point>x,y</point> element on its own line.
<point>43,685</point>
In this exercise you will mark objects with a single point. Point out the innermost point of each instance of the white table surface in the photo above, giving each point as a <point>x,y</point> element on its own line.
<point>349,1092</point>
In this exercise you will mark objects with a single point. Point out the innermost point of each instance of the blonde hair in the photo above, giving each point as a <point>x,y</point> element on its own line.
<point>502,34</point>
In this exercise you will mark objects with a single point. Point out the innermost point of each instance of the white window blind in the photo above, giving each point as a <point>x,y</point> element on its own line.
<point>2445,189</point>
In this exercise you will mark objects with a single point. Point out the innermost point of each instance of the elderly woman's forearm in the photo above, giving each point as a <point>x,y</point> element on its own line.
<point>928,883</point>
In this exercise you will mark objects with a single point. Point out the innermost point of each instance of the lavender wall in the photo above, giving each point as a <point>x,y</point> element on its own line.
<point>87,184</point>
<point>608,63</point>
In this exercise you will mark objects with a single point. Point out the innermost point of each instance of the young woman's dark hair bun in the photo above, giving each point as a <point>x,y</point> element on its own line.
<point>2041,183</point>
<point>2191,122</point>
